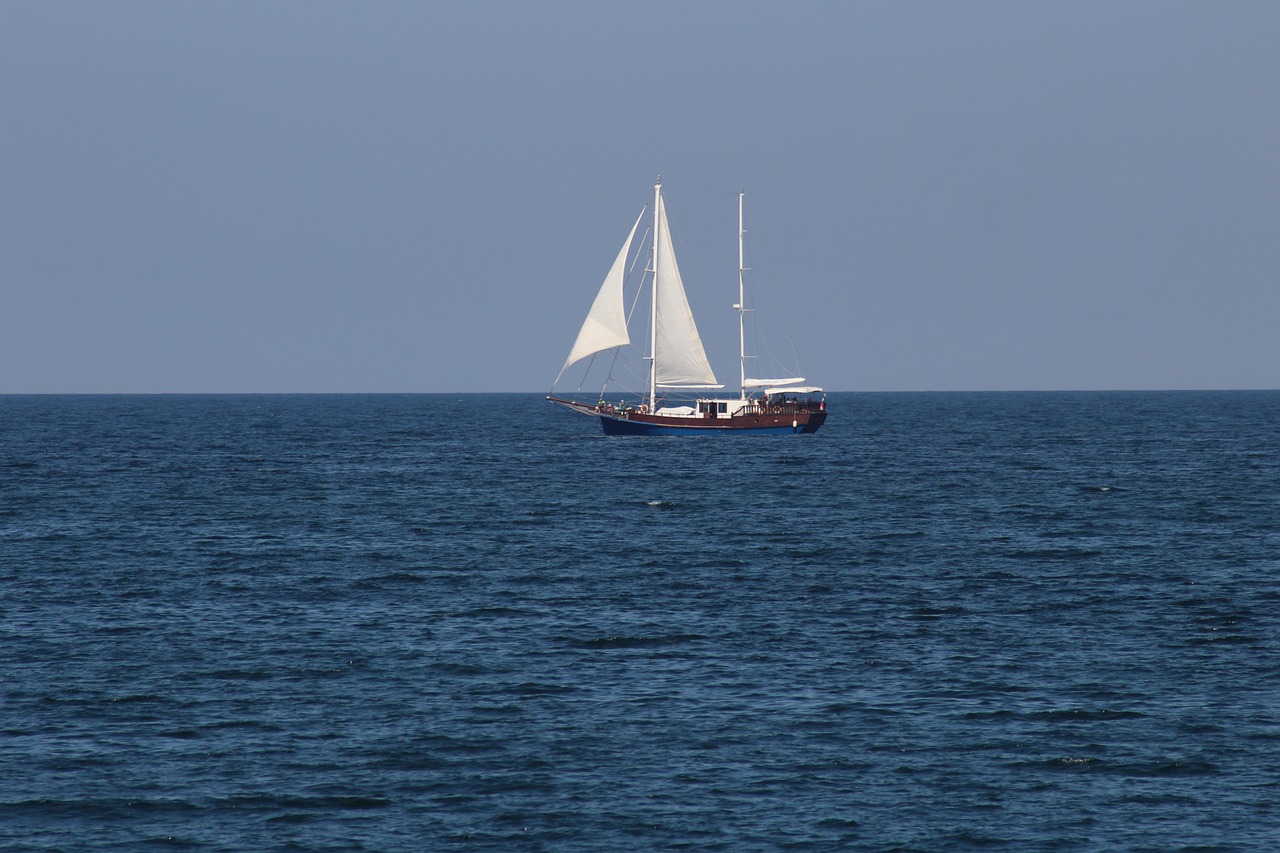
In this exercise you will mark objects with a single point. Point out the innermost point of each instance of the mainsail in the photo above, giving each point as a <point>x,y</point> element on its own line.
<point>606,323</point>
<point>680,360</point>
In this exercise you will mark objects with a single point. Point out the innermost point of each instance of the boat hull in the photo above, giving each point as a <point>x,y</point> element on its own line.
<point>794,420</point>
<point>621,426</point>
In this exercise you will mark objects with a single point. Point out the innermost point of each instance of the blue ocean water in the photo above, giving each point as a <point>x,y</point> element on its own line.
<point>473,622</point>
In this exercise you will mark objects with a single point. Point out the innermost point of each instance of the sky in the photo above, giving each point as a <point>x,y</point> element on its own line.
<point>424,197</point>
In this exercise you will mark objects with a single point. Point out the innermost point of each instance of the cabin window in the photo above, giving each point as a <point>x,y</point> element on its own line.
<point>722,407</point>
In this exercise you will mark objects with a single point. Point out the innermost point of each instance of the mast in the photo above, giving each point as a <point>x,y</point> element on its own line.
<point>653,310</point>
<point>742,337</point>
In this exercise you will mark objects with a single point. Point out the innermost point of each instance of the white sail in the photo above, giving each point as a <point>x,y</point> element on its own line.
<point>681,361</point>
<point>793,389</point>
<point>606,323</point>
<point>768,383</point>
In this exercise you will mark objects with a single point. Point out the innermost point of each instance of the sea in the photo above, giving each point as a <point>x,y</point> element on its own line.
<point>946,621</point>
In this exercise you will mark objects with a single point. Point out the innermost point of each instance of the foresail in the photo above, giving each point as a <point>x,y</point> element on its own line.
<point>606,323</point>
<point>681,360</point>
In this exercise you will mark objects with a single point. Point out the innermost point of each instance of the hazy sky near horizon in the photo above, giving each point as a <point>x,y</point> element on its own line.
<point>368,197</point>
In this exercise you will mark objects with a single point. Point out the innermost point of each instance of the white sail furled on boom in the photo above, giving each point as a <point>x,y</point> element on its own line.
<point>768,383</point>
<point>681,360</point>
<point>606,323</point>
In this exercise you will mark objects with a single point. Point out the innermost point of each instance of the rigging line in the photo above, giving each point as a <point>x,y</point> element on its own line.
<point>775,363</point>
<point>609,374</point>
<point>585,374</point>
<point>621,386</point>
<point>630,272</point>
<point>768,359</point>
<point>795,356</point>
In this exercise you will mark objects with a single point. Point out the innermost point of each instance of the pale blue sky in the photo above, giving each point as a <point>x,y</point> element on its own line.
<point>325,196</point>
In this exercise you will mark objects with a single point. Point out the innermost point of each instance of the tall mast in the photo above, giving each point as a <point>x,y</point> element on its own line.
<point>653,311</point>
<point>742,336</point>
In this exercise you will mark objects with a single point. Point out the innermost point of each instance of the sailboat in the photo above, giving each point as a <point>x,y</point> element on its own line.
<point>677,363</point>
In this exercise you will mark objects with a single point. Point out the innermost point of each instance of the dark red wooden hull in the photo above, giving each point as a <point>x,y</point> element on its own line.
<point>782,419</point>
